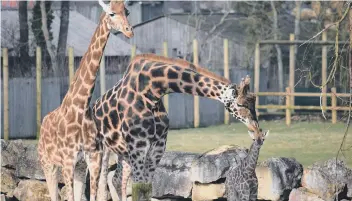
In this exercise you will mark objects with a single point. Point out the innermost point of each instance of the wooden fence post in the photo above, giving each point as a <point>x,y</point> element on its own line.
<point>166,97</point>
<point>71,70</point>
<point>102,75</point>
<point>292,70</point>
<point>257,75</point>
<point>39,88</point>
<point>226,74</point>
<point>324,71</point>
<point>6,91</point>
<point>133,51</point>
<point>288,105</point>
<point>196,98</point>
<point>333,106</point>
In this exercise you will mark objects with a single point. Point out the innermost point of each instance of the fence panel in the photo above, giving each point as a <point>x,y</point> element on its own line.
<point>22,106</point>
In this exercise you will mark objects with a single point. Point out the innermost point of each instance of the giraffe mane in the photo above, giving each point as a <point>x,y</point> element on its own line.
<point>183,64</point>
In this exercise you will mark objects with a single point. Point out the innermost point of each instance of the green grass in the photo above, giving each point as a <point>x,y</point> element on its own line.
<point>308,142</point>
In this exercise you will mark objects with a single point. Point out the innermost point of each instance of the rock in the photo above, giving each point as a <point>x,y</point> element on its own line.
<point>8,181</point>
<point>328,179</point>
<point>173,175</point>
<point>21,157</point>
<point>32,190</point>
<point>277,177</point>
<point>28,165</point>
<point>10,152</point>
<point>303,194</point>
<point>204,192</point>
<point>213,165</point>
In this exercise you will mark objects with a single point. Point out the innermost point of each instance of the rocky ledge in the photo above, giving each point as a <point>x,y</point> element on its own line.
<point>189,176</point>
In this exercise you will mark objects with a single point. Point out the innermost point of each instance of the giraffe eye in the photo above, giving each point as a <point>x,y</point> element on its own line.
<point>239,105</point>
<point>112,14</point>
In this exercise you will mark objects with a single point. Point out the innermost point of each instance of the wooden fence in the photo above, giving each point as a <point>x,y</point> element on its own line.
<point>28,100</point>
<point>186,111</point>
<point>290,90</point>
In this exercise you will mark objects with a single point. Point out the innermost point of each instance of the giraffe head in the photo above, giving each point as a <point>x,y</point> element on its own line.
<point>261,137</point>
<point>241,104</point>
<point>117,17</point>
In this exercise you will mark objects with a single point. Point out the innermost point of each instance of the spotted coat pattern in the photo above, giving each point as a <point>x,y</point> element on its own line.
<point>241,181</point>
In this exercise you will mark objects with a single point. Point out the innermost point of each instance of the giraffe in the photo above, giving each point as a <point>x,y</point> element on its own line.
<point>241,182</point>
<point>68,133</point>
<point>133,122</point>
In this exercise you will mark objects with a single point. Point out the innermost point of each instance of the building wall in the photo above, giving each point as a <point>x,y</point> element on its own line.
<point>149,38</point>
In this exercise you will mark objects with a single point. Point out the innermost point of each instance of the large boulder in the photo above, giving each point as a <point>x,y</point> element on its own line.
<point>213,165</point>
<point>277,177</point>
<point>301,193</point>
<point>8,181</point>
<point>328,179</point>
<point>32,190</point>
<point>172,177</point>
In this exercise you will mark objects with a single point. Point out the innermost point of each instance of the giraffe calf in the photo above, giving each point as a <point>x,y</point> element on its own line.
<point>241,181</point>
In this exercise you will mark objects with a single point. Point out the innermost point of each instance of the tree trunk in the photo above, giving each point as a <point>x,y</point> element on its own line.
<point>350,50</point>
<point>49,46</point>
<point>24,48</point>
<point>64,22</point>
<point>278,49</point>
<point>297,21</point>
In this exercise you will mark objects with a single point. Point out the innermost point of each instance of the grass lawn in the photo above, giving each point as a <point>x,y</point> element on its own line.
<point>308,142</point>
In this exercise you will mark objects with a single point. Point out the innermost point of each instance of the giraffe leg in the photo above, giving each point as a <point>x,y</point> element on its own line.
<point>79,181</point>
<point>126,173</point>
<point>51,176</point>
<point>68,174</point>
<point>114,189</point>
<point>93,161</point>
<point>141,188</point>
<point>118,180</point>
<point>102,194</point>
<point>153,158</point>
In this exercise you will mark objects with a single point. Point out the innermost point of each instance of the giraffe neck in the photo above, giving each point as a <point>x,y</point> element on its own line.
<point>154,79</point>
<point>82,86</point>
<point>252,157</point>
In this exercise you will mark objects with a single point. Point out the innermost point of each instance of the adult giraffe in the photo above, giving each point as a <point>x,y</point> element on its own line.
<point>132,119</point>
<point>70,128</point>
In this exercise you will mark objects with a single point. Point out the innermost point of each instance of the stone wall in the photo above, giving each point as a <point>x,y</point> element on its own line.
<point>189,176</point>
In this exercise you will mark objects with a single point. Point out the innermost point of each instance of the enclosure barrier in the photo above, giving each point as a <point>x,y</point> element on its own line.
<point>290,106</point>
<point>289,94</point>
<point>290,90</point>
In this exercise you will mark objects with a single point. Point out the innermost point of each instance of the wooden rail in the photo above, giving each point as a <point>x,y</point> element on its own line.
<point>290,106</point>
<point>290,93</point>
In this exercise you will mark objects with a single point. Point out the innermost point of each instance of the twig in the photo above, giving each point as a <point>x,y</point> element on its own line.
<point>330,25</point>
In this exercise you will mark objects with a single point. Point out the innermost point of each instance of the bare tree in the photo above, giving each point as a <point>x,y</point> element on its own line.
<point>24,48</point>
<point>49,45</point>
<point>64,22</point>
<point>277,47</point>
